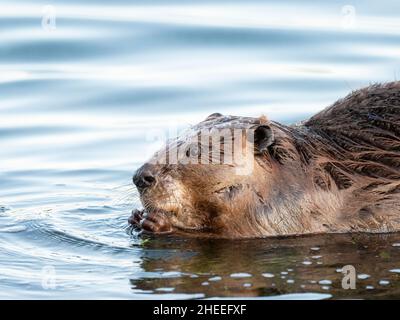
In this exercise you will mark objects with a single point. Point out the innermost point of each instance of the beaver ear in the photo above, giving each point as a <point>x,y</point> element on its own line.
<point>263,137</point>
<point>213,116</point>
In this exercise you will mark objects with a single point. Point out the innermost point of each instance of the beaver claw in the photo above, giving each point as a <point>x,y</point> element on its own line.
<point>153,222</point>
<point>136,217</point>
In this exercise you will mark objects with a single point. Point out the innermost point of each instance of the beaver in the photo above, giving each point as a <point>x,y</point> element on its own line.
<point>337,172</point>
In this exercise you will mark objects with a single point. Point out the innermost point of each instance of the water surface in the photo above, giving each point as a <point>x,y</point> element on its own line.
<point>83,83</point>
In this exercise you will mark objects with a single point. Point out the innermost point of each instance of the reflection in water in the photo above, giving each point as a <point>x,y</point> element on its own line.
<point>271,267</point>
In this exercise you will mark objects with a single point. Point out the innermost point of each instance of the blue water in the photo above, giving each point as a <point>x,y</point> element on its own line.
<point>82,83</point>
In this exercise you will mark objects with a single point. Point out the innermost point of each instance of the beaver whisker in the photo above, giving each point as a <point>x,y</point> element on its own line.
<point>128,198</point>
<point>128,185</point>
<point>130,195</point>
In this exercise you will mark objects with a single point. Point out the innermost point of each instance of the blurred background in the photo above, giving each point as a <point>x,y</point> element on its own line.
<point>82,83</point>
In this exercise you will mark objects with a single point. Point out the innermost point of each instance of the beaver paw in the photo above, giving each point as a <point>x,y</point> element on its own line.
<point>154,222</point>
<point>136,217</point>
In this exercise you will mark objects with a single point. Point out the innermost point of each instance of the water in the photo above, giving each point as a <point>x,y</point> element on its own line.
<point>82,85</point>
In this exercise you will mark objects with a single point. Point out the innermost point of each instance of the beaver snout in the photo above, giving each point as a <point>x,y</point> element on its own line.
<point>144,177</point>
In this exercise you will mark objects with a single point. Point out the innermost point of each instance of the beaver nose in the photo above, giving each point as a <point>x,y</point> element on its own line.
<point>144,178</point>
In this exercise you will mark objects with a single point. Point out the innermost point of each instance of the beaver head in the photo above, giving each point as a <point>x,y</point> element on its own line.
<point>218,177</point>
<point>237,177</point>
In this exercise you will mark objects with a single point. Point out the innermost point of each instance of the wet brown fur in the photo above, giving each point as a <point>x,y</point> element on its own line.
<point>339,171</point>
